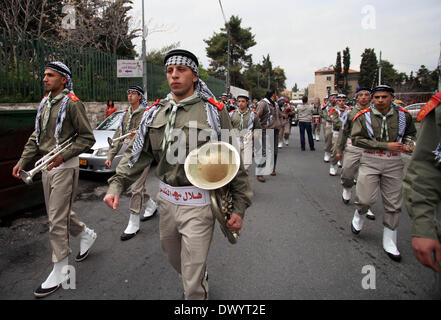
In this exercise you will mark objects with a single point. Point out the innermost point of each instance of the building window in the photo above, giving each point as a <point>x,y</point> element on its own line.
<point>328,78</point>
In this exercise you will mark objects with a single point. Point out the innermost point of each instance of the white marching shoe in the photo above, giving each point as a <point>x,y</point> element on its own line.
<point>87,239</point>
<point>317,138</point>
<point>150,210</point>
<point>370,215</point>
<point>54,280</point>
<point>346,195</point>
<point>286,141</point>
<point>390,244</point>
<point>357,222</point>
<point>327,157</point>
<point>132,228</point>
<point>339,164</point>
<point>333,170</point>
<point>280,145</point>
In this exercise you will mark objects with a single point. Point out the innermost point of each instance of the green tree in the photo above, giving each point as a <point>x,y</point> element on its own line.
<point>338,73</point>
<point>346,65</point>
<point>241,40</point>
<point>389,75</point>
<point>368,69</point>
<point>157,56</point>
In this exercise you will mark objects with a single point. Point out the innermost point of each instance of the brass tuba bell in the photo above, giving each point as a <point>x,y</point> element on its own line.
<point>212,167</point>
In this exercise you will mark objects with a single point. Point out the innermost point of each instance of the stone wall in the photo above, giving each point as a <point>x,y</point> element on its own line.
<point>96,111</point>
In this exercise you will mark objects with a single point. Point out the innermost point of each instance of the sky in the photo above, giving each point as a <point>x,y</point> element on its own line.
<point>303,36</point>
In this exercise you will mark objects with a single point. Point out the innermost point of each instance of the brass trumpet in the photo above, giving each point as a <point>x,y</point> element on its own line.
<point>111,141</point>
<point>42,164</point>
<point>212,167</point>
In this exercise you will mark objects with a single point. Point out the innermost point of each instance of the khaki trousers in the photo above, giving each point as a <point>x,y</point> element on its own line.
<point>384,175</point>
<point>60,186</point>
<point>246,151</point>
<point>328,136</point>
<point>333,160</point>
<point>139,193</point>
<point>351,162</point>
<point>284,130</point>
<point>186,233</point>
<point>316,128</point>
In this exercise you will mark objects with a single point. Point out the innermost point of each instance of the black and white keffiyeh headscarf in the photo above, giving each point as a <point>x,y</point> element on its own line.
<point>176,58</point>
<point>200,87</point>
<point>62,69</point>
<point>142,104</point>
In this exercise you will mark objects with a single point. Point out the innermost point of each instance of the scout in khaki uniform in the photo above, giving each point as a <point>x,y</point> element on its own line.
<point>269,117</point>
<point>285,127</point>
<point>380,131</point>
<point>338,116</point>
<point>129,123</point>
<point>60,116</point>
<point>328,125</point>
<point>352,154</point>
<point>422,188</point>
<point>316,120</point>
<point>245,120</point>
<point>186,224</point>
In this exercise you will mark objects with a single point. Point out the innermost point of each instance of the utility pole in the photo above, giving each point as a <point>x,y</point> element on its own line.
<point>379,71</point>
<point>227,84</point>
<point>144,61</point>
<point>439,71</point>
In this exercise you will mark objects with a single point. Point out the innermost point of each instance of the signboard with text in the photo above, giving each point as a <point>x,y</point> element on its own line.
<point>129,69</point>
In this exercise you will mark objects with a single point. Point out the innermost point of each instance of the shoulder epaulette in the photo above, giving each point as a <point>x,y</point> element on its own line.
<point>348,109</point>
<point>360,113</point>
<point>154,104</point>
<point>429,106</point>
<point>332,109</point>
<point>73,97</point>
<point>216,103</point>
<point>402,109</point>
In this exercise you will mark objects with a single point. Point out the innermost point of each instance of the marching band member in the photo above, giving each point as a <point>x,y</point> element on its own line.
<point>338,116</point>
<point>60,116</point>
<point>245,120</point>
<point>422,188</point>
<point>129,123</point>
<point>380,130</point>
<point>332,100</point>
<point>352,154</point>
<point>186,228</point>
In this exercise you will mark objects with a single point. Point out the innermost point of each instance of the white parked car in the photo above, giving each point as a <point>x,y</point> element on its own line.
<point>414,109</point>
<point>93,160</point>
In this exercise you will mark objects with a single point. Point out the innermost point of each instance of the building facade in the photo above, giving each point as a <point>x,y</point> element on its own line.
<point>324,83</point>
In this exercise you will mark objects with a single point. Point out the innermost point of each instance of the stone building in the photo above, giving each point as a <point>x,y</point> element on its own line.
<point>324,83</point>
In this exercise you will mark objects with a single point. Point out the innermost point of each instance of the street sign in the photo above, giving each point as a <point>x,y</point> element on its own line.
<point>129,68</point>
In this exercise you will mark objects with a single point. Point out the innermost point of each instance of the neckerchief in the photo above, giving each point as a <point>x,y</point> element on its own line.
<point>242,115</point>
<point>194,98</point>
<point>50,103</point>
<point>384,130</point>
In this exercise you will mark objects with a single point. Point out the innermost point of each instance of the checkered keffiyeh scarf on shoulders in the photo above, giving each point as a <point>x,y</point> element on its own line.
<point>65,72</point>
<point>202,91</point>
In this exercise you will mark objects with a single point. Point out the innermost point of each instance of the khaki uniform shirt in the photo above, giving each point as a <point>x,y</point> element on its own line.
<point>345,133</point>
<point>360,137</point>
<point>173,173</point>
<point>134,123</point>
<point>75,122</point>
<point>235,120</point>
<point>422,184</point>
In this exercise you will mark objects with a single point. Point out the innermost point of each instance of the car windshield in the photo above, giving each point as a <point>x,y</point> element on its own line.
<point>112,122</point>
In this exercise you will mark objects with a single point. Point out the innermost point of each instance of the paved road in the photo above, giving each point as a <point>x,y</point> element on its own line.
<point>296,244</point>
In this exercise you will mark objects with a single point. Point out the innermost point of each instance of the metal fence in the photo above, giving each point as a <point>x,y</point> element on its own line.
<point>94,77</point>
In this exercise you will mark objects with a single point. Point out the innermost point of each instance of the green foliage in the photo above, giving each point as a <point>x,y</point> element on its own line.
<point>368,69</point>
